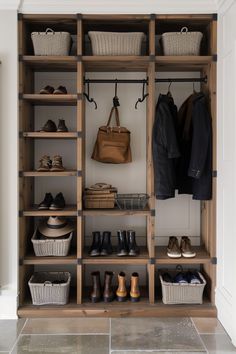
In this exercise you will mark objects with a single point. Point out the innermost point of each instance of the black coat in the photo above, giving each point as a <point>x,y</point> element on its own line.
<point>165,148</point>
<point>195,141</point>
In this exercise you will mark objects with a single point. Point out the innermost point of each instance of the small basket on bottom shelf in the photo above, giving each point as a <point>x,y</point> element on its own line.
<point>132,201</point>
<point>176,293</point>
<point>50,288</point>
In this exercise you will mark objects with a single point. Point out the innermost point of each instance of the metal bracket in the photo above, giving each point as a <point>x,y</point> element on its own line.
<point>153,212</point>
<point>20,135</point>
<point>152,16</point>
<point>152,261</point>
<point>214,173</point>
<point>152,58</point>
<point>79,261</point>
<point>214,57</point>
<point>215,17</point>
<point>20,213</point>
<point>79,212</point>
<point>20,96</point>
<point>20,173</point>
<point>79,58</point>
<point>79,16</point>
<point>79,135</point>
<point>79,173</point>
<point>214,260</point>
<point>19,16</point>
<point>79,96</point>
<point>20,57</point>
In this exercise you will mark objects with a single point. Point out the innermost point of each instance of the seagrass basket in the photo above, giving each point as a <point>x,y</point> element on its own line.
<point>51,43</point>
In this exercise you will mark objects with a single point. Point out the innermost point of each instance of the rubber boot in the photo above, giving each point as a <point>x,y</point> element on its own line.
<point>134,288</point>
<point>121,292</point>
<point>108,294</point>
<point>96,291</point>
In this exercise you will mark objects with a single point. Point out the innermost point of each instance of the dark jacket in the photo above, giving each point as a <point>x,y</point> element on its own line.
<point>195,141</point>
<point>165,147</point>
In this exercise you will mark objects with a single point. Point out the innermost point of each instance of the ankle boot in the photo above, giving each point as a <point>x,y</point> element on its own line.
<point>62,126</point>
<point>121,292</point>
<point>134,288</point>
<point>96,244</point>
<point>122,244</point>
<point>106,247</point>
<point>96,292</point>
<point>108,294</point>
<point>132,246</point>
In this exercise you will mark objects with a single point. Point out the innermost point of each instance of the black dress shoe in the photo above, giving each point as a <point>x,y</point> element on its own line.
<point>45,204</point>
<point>106,247</point>
<point>132,245</point>
<point>96,244</point>
<point>122,244</point>
<point>62,126</point>
<point>58,202</point>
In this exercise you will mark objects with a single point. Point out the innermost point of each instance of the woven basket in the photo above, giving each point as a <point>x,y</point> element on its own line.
<point>175,293</point>
<point>51,247</point>
<point>112,43</point>
<point>182,43</point>
<point>102,203</point>
<point>51,43</point>
<point>44,292</point>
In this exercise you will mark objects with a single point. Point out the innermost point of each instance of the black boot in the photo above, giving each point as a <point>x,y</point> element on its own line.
<point>62,126</point>
<point>132,246</point>
<point>106,247</point>
<point>122,244</point>
<point>96,244</point>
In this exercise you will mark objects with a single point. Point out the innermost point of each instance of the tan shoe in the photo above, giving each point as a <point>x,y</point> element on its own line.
<point>121,292</point>
<point>173,250</point>
<point>57,165</point>
<point>45,164</point>
<point>186,248</point>
<point>134,288</point>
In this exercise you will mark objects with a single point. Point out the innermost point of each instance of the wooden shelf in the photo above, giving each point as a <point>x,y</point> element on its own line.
<point>31,259</point>
<point>182,63</point>
<point>51,63</point>
<point>141,259</point>
<point>51,135</point>
<point>115,63</point>
<point>69,210</point>
<point>116,212</point>
<point>51,100</point>
<point>202,257</point>
<point>49,174</point>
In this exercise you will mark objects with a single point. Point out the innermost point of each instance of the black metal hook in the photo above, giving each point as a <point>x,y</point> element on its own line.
<point>144,95</point>
<point>91,100</point>
<point>116,102</point>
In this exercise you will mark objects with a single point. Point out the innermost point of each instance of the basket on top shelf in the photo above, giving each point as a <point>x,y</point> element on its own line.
<point>116,43</point>
<point>181,43</point>
<point>51,43</point>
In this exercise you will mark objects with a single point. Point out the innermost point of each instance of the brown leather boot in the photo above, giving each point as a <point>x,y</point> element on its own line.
<point>134,288</point>
<point>121,292</point>
<point>96,292</point>
<point>108,294</point>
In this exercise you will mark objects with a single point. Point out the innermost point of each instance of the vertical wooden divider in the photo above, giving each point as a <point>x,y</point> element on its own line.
<point>80,160</point>
<point>150,177</point>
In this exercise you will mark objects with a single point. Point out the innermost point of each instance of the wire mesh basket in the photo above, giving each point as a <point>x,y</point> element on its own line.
<point>132,201</point>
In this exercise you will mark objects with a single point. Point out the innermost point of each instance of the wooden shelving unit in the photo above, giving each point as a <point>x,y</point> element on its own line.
<point>150,62</point>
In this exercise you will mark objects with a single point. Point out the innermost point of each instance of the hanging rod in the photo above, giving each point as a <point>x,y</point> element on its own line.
<point>142,81</point>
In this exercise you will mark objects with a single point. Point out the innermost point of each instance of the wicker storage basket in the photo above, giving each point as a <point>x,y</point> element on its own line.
<point>175,293</point>
<point>115,43</point>
<point>51,247</point>
<point>44,289</point>
<point>181,43</point>
<point>102,203</point>
<point>51,43</point>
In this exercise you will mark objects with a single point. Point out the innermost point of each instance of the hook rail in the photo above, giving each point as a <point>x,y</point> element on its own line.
<point>144,81</point>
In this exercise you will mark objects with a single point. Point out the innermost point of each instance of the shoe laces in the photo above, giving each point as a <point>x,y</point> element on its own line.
<point>45,161</point>
<point>57,161</point>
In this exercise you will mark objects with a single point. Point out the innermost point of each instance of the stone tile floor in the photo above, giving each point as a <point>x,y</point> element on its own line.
<point>114,336</point>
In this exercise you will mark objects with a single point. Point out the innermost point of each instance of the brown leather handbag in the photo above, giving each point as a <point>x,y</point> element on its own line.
<point>113,143</point>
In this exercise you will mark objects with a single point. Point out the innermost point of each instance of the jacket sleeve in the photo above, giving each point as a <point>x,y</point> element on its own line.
<point>169,133</point>
<point>201,138</point>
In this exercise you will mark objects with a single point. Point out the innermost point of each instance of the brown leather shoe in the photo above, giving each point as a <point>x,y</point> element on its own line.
<point>173,250</point>
<point>121,291</point>
<point>57,165</point>
<point>45,164</point>
<point>96,292</point>
<point>186,248</point>
<point>108,294</point>
<point>134,288</point>
<point>47,90</point>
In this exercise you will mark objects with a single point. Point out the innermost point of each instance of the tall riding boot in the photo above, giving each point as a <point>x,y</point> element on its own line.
<point>108,294</point>
<point>122,244</point>
<point>134,288</point>
<point>132,245</point>
<point>96,292</point>
<point>121,292</point>
<point>106,247</point>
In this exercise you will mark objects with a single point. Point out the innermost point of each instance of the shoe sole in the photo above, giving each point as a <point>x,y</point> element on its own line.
<point>121,298</point>
<point>94,254</point>
<point>108,299</point>
<point>122,254</point>
<point>189,255</point>
<point>134,299</point>
<point>43,208</point>
<point>95,299</point>
<point>54,208</point>
<point>56,170</point>
<point>173,256</point>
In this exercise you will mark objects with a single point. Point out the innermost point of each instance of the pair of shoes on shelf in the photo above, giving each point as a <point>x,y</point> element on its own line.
<point>101,245</point>
<point>174,250</point>
<point>49,90</point>
<point>50,126</point>
<point>58,203</point>
<point>188,277</point>
<point>54,165</point>
<point>108,292</point>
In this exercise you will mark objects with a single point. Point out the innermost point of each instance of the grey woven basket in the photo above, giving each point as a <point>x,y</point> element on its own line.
<point>51,43</point>
<point>51,247</point>
<point>116,43</point>
<point>45,292</point>
<point>175,293</point>
<point>181,43</point>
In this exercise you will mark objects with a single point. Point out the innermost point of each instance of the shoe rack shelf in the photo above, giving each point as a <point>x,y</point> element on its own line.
<point>81,61</point>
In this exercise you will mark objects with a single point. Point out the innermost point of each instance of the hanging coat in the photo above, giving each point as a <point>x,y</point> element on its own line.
<point>165,148</point>
<point>195,141</point>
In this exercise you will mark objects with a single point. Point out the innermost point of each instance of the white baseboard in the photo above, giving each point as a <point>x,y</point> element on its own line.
<point>224,313</point>
<point>8,304</point>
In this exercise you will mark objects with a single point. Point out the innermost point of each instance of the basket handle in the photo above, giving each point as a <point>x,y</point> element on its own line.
<point>47,282</point>
<point>184,30</point>
<point>49,30</point>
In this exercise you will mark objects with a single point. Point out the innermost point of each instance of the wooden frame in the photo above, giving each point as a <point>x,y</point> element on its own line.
<point>150,63</point>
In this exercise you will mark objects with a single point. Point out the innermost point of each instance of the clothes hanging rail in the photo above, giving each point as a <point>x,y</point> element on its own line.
<point>142,81</point>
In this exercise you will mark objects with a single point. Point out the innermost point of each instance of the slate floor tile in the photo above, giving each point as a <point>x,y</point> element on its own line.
<point>218,344</point>
<point>208,325</point>
<point>9,331</point>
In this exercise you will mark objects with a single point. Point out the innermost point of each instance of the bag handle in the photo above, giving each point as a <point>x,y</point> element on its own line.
<point>49,30</point>
<point>117,117</point>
